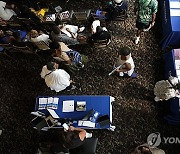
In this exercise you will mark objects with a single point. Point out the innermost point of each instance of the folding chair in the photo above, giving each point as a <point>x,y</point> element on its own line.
<point>101,43</point>
<point>122,17</point>
<point>82,15</point>
<point>42,45</point>
<point>65,17</point>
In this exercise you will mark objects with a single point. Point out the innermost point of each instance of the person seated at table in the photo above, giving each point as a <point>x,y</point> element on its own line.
<point>166,89</point>
<point>146,149</point>
<point>36,36</point>
<point>71,60</point>
<point>8,10</point>
<point>113,9</point>
<point>59,36</point>
<point>98,32</point>
<point>55,78</point>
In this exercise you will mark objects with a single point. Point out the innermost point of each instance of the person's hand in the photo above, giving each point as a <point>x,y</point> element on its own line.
<point>71,128</point>
<point>68,30</point>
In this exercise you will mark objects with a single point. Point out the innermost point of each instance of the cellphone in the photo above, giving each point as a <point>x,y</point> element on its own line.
<point>65,126</point>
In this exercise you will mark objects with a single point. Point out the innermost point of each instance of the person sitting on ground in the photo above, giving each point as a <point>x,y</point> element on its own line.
<point>114,8</point>
<point>166,89</point>
<point>7,10</point>
<point>56,79</point>
<point>98,32</point>
<point>125,63</point>
<point>71,59</point>
<point>146,149</point>
<point>59,36</point>
<point>71,30</point>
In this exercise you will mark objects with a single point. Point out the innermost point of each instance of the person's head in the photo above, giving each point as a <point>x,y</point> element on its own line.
<point>69,136</point>
<point>99,29</point>
<point>55,45</point>
<point>51,66</point>
<point>117,1</point>
<point>124,51</point>
<point>17,35</point>
<point>33,33</point>
<point>144,150</point>
<point>56,30</point>
<point>1,33</point>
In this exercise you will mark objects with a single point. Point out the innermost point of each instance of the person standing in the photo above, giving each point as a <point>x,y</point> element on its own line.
<point>146,14</point>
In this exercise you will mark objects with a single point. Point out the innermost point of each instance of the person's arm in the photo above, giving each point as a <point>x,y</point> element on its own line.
<point>72,34</point>
<point>127,68</point>
<point>153,20</point>
<point>82,132</point>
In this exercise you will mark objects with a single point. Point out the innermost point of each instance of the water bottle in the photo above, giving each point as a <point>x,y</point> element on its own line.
<point>94,117</point>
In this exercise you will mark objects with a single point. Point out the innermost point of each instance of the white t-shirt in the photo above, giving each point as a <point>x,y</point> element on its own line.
<point>58,80</point>
<point>5,13</point>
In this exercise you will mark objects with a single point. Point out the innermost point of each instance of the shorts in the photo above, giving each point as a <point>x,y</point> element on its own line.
<point>141,26</point>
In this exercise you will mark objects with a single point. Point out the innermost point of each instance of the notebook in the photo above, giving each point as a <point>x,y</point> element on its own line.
<point>104,120</point>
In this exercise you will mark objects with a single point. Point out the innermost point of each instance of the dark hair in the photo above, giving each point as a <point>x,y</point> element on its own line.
<point>50,66</point>
<point>56,29</point>
<point>143,151</point>
<point>54,45</point>
<point>125,51</point>
<point>68,137</point>
<point>99,29</point>
<point>16,35</point>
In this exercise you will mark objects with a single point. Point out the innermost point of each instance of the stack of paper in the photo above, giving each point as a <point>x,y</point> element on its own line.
<point>49,103</point>
<point>86,123</point>
<point>68,106</point>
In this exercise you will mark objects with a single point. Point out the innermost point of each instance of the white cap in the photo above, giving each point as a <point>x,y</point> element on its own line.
<point>118,1</point>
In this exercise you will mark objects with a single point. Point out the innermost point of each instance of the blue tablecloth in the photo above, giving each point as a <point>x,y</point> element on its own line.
<point>174,111</point>
<point>170,25</point>
<point>102,104</point>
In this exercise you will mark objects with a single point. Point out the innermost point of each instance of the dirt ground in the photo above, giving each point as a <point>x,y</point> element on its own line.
<point>135,114</point>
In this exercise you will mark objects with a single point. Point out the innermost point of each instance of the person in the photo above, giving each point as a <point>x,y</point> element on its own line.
<point>113,9</point>
<point>166,89</point>
<point>74,137</point>
<point>7,11</point>
<point>56,79</point>
<point>146,14</point>
<point>59,36</point>
<point>98,32</point>
<point>36,36</point>
<point>146,149</point>
<point>125,63</point>
<point>71,58</point>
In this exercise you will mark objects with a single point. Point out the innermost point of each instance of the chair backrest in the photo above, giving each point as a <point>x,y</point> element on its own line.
<point>83,15</point>
<point>89,146</point>
<point>101,43</point>
<point>122,16</point>
<point>42,45</point>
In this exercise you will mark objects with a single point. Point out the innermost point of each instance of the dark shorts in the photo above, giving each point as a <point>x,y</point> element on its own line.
<point>141,26</point>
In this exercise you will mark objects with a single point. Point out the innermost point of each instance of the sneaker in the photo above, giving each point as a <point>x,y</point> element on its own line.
<point>137,40</point>
<point>134,75</point>
<point>88,135</point>
<point>81,29</point>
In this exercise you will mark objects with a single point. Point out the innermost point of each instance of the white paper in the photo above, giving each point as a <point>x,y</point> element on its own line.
<point>42,103</point>
<point>174,12</point>
<point>177,64</point>
<point>53,113</point>
<point>68,106</point>
<point>86,123</point>
<point>50,102</point>
<point>55,103</point>
<point>175,4</point>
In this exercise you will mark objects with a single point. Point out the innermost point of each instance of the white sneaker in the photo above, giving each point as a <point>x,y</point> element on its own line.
<point>81,29</point>
<point>137,40</point>
<point>88,135</point>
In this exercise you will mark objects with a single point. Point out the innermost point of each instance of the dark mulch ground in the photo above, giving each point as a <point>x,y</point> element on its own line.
<point>135,114</point>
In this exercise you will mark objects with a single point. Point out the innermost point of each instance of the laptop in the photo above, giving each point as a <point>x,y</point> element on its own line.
<point>88,115</point>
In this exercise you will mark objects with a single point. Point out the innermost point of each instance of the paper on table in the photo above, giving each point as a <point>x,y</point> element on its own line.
<point>53,113</point>
<point>178,72</point>
<point>55,103</point>
<point>50,102</point>
<point>86,123</point>
<point>68,106</point>
<point>175,4</point>
<point>177,64</point>
<point>174,12</point>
